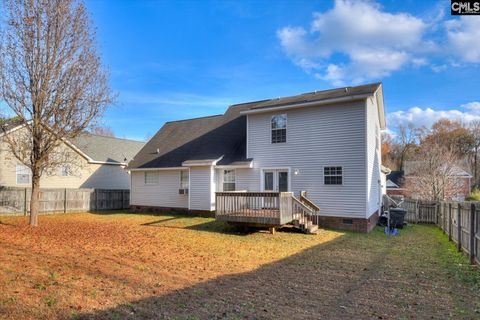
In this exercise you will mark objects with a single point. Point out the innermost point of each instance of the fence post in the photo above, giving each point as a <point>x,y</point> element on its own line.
<point>444,216</point>
<point>472,234</point>
<point>416,211</point>
<point>459,227</point>
<point>96,200</point>
<point>65,200</point>
<point>449,221</point>
<point>25,202</point>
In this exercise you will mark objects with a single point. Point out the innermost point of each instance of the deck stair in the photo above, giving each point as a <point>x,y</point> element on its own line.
<point>305,214</point>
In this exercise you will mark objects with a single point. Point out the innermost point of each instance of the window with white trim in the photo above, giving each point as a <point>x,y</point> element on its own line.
<point>184,177</point>
<point>332,175</point>
<point>151,177</point>
<point>23,174</point>
<point>228,180</point>
<point>279,128</point>
<point>64,171</point>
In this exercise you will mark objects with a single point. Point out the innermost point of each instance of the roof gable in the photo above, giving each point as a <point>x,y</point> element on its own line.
<point>107,149</point>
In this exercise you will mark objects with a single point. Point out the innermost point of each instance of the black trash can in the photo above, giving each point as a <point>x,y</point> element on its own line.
<point>397,217</point>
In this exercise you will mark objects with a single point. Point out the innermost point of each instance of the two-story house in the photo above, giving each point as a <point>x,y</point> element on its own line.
<point>326,143</point>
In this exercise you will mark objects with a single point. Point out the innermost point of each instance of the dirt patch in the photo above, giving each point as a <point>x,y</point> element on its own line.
<point>120,266</point>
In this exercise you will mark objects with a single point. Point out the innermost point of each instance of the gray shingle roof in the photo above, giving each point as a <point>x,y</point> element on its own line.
<point>196,139</point>
<point>318,96</point>
<point>107,149</point>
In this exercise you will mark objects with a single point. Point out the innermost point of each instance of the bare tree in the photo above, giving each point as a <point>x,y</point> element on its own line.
<point>433,176</point>
<point>103,131</point>
<point>51,77</point>
<point>406,139</point>
<point>474,129</point>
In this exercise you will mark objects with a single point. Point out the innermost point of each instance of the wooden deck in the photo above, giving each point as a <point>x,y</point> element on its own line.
<point>264,208</point>
<point>255,216</point>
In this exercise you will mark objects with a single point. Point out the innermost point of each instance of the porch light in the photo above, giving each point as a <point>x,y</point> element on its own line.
<point>296,172</point>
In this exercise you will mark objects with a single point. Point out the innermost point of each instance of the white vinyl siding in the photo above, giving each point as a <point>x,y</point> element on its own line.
<point>202,188</point>
<point>163,194</point>
<point>373,155</point>
<point>321,136</point>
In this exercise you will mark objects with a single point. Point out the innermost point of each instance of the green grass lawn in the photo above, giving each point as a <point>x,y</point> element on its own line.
<point>144,266</point>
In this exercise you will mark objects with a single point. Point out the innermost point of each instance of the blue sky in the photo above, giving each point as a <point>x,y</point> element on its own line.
<point>173,60</point>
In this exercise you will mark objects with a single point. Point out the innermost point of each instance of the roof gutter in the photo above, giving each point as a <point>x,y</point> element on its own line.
<point>156,169</point>
<point>108,162</point>
<point>309,104</point>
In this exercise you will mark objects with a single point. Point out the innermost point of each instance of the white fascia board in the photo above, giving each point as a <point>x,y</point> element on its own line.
<point>308,104</point>
<point>156,169</point>
<point>11,130</point>
<point>201,163</point>
<point>108,162</point>
<point>381,107</point>
<point>238,165</point>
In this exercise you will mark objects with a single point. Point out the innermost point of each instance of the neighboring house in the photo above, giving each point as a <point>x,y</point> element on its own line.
<point>326,143</point>
<point>96,162</point>
<point>394,184</point>
<point>462,177</point>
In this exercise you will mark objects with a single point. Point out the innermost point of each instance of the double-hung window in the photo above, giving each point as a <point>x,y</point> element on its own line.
<point>333,175</point>
<point>23,174</point>
<point>228,180</point>
<point>184,184</point>
<point>279,128</point>
<point>151,177</point>
<point>64,171</point>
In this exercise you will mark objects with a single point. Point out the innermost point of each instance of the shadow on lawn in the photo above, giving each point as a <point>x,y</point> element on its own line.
<point>337,279</point>
<point>210,226</point>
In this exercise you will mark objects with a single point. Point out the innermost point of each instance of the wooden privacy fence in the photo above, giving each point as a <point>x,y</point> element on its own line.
<point>16,201</point>
<point>459,220</point>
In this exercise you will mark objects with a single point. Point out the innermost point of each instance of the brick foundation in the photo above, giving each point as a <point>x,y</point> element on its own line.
<point>350,224</point>
<point>202,213</point>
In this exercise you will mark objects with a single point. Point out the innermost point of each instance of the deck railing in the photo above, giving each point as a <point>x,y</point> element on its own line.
<point>275,208</point>
<point>257,207</point>
<point>305,211</point>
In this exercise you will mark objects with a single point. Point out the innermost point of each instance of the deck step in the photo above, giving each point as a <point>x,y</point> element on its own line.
<point>313,229</point>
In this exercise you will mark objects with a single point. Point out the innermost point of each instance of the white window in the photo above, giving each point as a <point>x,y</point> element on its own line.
<point>151,177</point>
<point>23,174</point>
<point>184,184</point>
<point>333,175</point>
<point>65,171</point>
<point>279,128</point>
<point>228,180</point>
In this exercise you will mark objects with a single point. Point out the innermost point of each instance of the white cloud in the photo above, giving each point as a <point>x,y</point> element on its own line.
<point>464,38</point>
<point>375,42</point>
<point>357,41</point>
<point>427,116</point>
